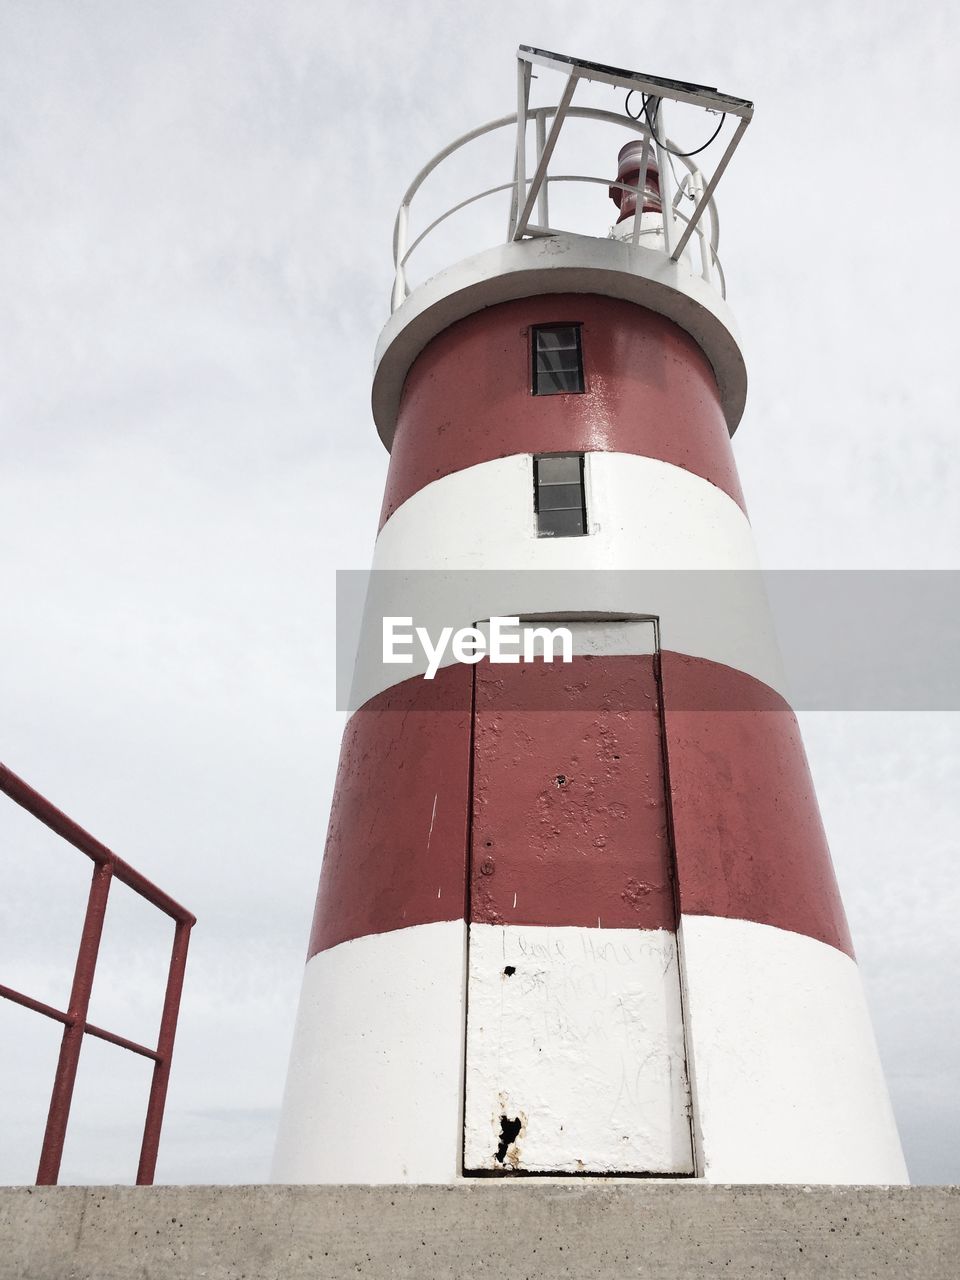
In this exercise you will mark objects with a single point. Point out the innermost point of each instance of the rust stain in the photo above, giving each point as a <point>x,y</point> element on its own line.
<point>568,785</point>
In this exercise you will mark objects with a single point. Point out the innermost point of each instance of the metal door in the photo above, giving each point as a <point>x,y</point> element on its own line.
<point>575,1057</point>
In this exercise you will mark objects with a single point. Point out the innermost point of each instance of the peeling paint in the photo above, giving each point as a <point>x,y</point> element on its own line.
<point>580,1035</point>
<point>433,818</point>
<point>570,838</point>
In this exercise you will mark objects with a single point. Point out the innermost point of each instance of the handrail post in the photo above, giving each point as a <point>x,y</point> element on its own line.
<point>642,180</point>
<point>400,253</point>
<point>514,206</point>
<point>62,1094</point>
<point>520,154</point>
<point>666,197</point>
<point>706,248</point>
<point>543,208</point>
<point>161,1068</point>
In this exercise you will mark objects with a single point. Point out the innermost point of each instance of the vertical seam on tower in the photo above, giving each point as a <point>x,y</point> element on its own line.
<point>468,862</point>
<point>696,1153</point>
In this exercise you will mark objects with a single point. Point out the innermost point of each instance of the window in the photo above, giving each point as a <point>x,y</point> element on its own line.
<point>558,495</point>
<point>557,359</point>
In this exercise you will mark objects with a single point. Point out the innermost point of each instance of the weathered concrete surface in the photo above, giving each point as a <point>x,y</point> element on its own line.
<point>596,1230</point>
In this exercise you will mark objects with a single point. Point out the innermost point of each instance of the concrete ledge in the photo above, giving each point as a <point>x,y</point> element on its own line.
<point>515,1229</point>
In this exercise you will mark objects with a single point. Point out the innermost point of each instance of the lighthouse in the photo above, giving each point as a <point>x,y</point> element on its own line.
<point>576,913</point>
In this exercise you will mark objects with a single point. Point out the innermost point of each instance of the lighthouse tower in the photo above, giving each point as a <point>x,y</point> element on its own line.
<point>576,917</point>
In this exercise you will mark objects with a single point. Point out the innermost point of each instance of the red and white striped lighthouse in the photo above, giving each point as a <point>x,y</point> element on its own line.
<point>577,917</point>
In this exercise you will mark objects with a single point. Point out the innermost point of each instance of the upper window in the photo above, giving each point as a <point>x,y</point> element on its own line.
<point>557,359</point>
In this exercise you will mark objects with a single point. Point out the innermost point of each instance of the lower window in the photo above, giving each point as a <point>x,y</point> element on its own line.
<point>559,497</point>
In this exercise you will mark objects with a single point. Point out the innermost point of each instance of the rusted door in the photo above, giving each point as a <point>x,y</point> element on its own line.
<point>575,1056</point>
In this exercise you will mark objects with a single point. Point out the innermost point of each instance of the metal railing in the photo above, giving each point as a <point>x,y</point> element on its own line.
<point>532,193</point>
<point>675,223</point>
<point>107,867</point>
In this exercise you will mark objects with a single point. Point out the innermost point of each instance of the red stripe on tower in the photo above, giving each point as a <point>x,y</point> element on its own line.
<point>650,391</point>
<point>747,832</point>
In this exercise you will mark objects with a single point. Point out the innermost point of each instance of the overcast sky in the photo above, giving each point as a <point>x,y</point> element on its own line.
<point>196,204</point>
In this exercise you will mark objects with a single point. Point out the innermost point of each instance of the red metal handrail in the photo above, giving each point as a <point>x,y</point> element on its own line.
<point>107,867</point>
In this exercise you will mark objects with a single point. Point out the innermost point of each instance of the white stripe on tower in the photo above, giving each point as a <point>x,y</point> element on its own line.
<point>788,1080</point>
<point>374,1088</point>
<point>639,559</point>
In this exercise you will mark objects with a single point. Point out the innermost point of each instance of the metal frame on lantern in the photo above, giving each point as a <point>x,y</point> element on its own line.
<point>655,88</point>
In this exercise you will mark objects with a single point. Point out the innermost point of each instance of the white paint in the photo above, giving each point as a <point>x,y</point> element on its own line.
<point>374,1086</point>
<point>561,263</point>
<point>628,638</point>
<point>650,233</point>
<point>596,637</point>
<point>667,542</point>
<point>583,1043</point>
<point>787,1081</point>
<point>788,1085</point>
<point>433,818</point>
<point>643,514</point>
